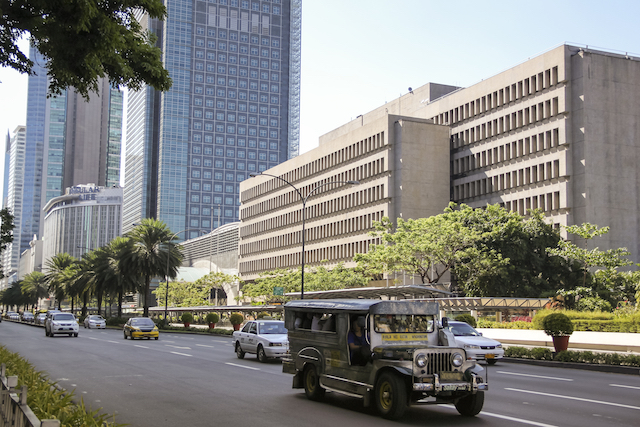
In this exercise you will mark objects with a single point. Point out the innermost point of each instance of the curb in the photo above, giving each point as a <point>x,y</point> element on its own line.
<point>614,369</point>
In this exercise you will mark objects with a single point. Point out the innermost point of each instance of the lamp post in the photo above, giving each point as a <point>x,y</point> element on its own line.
<point>166,294</point>
<point>304,214</point>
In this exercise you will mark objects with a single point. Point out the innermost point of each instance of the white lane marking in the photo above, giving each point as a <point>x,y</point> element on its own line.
<point>534,376</point>
<point>140,346</point>
<point>180,354</point>
<point>177,346</point>
<point>114,342</point>
<point>624,386</point>
<point>518,420</point>
<point>202,345</point>
<point>242,366</point>
<point>620,405</point>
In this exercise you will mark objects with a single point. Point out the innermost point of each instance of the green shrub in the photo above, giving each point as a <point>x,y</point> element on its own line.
<point>186,317</point>
<point>212,318</point>
<point>236,318</point>
<point>466,318</point>
<point>518,352</point>
<point>541,353</point>
<point>116,321</point>
<point>557,324</point>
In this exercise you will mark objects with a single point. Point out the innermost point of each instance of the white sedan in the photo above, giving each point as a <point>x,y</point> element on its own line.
<point>95,321</point>
<point>265,338</point>
<point>476,346</point>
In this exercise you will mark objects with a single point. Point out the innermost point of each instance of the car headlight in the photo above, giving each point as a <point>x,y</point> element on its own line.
<point>457,360</point>
<point>275,344</point>
<point>499,346</point>
<point>421,360</point>
<point>477,347</point>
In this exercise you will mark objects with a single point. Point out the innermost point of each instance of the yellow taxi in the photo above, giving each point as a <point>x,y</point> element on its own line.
<point>140,327</point>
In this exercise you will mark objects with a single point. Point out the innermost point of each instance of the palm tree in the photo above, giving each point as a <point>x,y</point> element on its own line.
<point>34,286</point>
<point>113,272</point>
<point>57,276</point>
<point>148,257</point>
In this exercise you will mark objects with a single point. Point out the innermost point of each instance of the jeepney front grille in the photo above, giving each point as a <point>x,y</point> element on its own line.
<point>439,362</point>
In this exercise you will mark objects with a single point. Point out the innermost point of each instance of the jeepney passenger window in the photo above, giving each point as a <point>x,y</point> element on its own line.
<point>403,323</point>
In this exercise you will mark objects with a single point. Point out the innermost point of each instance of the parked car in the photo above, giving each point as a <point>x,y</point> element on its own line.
<point>61,323</point>
<point>12,315</point>
<point>39,320</point>
<point>28,317</point>
<point>140,327</point>
<point>265,338</point>
<point>95,321</point>
<point>476,346</point>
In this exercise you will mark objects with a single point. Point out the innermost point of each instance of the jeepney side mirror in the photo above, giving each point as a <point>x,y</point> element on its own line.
<point>445,322</point>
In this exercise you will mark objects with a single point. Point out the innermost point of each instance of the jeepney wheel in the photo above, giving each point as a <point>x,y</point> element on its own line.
<point>239,351</point>
<point>262,356</point>
<point>312,387</point>
<point>391,396</point>
<point>471,405</point>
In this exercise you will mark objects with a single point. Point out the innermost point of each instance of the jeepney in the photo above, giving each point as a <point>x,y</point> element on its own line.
<point>411,358</point>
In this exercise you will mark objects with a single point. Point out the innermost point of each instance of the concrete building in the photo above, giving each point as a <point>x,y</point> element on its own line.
<point>558,132</point>
<point>233,109</point>
<point>14,182</point>
<point>85,218</point>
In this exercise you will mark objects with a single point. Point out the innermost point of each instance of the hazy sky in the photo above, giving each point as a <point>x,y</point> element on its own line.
<point>359,54</point>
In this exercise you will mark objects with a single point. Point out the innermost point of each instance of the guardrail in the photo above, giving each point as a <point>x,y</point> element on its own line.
<point>14,410</point>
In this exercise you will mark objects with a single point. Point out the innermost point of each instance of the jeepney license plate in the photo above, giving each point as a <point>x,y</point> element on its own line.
<point>451,376</point>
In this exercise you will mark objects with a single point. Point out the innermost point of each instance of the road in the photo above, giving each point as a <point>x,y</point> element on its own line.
<point>197,380</point>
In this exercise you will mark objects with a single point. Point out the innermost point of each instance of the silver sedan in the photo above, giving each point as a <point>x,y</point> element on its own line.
<point>95,321</point>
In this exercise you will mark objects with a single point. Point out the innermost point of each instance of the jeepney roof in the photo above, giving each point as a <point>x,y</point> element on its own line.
<point>367,305</point>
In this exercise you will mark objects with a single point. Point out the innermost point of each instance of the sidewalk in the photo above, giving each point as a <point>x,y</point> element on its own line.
<point>580,340</point>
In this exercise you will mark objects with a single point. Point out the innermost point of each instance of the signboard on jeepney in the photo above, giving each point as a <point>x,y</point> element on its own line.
<point>391,338</point>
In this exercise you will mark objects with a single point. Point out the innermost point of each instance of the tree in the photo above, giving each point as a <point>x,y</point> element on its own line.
<point>59,269</point>
<point>6,231</point>
<point>34,286</point>
<point>13,296</point>
<point>182,294</point>
<point>83,41</point>
<point>148,257</point>
<point>216,280</point>
<point>113,271</point>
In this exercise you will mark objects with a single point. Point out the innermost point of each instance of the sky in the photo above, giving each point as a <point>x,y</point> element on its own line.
<point>359,54</point>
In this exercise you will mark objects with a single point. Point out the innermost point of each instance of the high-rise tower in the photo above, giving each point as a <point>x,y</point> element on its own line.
<point>233,110</point>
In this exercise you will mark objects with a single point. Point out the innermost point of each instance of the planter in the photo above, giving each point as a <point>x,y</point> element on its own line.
<point>212,325</point>
<point>236,327</point>
<point>186,324</point>
<point>560,343</point>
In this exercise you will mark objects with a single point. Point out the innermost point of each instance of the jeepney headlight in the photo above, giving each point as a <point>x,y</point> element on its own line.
<point>457,360</point>
<point>421,360</point>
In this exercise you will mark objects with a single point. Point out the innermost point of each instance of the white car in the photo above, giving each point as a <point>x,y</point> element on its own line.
<point>476,346</point>
<point>265,338</point>
<point>95,321</point>
<point>61,323</point>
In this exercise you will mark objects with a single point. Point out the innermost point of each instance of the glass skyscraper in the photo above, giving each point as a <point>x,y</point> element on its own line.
<point>233,110</point>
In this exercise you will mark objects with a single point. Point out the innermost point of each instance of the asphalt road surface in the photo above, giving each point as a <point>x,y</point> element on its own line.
<point>194,380</point>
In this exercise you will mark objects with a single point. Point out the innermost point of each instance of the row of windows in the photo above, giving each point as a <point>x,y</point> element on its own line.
<point>231,129</point>
<point>230,152</point>
<point>506,152</point>
<point>355,199</point>
<point>201,222</point>
<point>548,202</point>
<point>217,54</point>
<point>241,118</point>
<point>234,94</point>
<point>230,140</point>
<point>499,98</point>
<point>232,82</point>
<point>504,181</point>
<point>233,47</point>
<point>518,119</point>
<point>337,158</point>
<point>359,224</point>
<point>333,254</point>
<point>359,173</point>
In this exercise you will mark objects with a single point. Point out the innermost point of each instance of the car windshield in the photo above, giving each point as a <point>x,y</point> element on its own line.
<point>64,316</point>
<point>463,330</point>
<point>272,328</point>
<point>145,321</point>
<point>405,323</point>
<point>96,318</point>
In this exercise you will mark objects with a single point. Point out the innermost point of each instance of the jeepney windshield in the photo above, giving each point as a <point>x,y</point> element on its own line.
<point>405,323</point>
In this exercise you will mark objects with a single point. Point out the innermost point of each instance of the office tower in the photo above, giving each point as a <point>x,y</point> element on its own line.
<point>233,110</point>
<point>69,141</point>
<point>14,181</point>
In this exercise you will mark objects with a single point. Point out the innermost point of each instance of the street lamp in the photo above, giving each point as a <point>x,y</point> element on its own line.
<point>166,294</point>
<point>304,214</point>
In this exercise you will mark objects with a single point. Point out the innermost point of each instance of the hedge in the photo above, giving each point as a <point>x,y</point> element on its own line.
<point>541,353</point>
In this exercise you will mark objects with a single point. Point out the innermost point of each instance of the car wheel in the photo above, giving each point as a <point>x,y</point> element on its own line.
<point>70,335</point>
<point>239,351</point>
<point>75,335</point>
<point>125,335</point>
<point>312,387</point>
<point>156,338</point>
<point>262,356</point>
<point>491,361</point>
<point>471,405</point>
<point>46,333</point>
<point>391,396</point>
